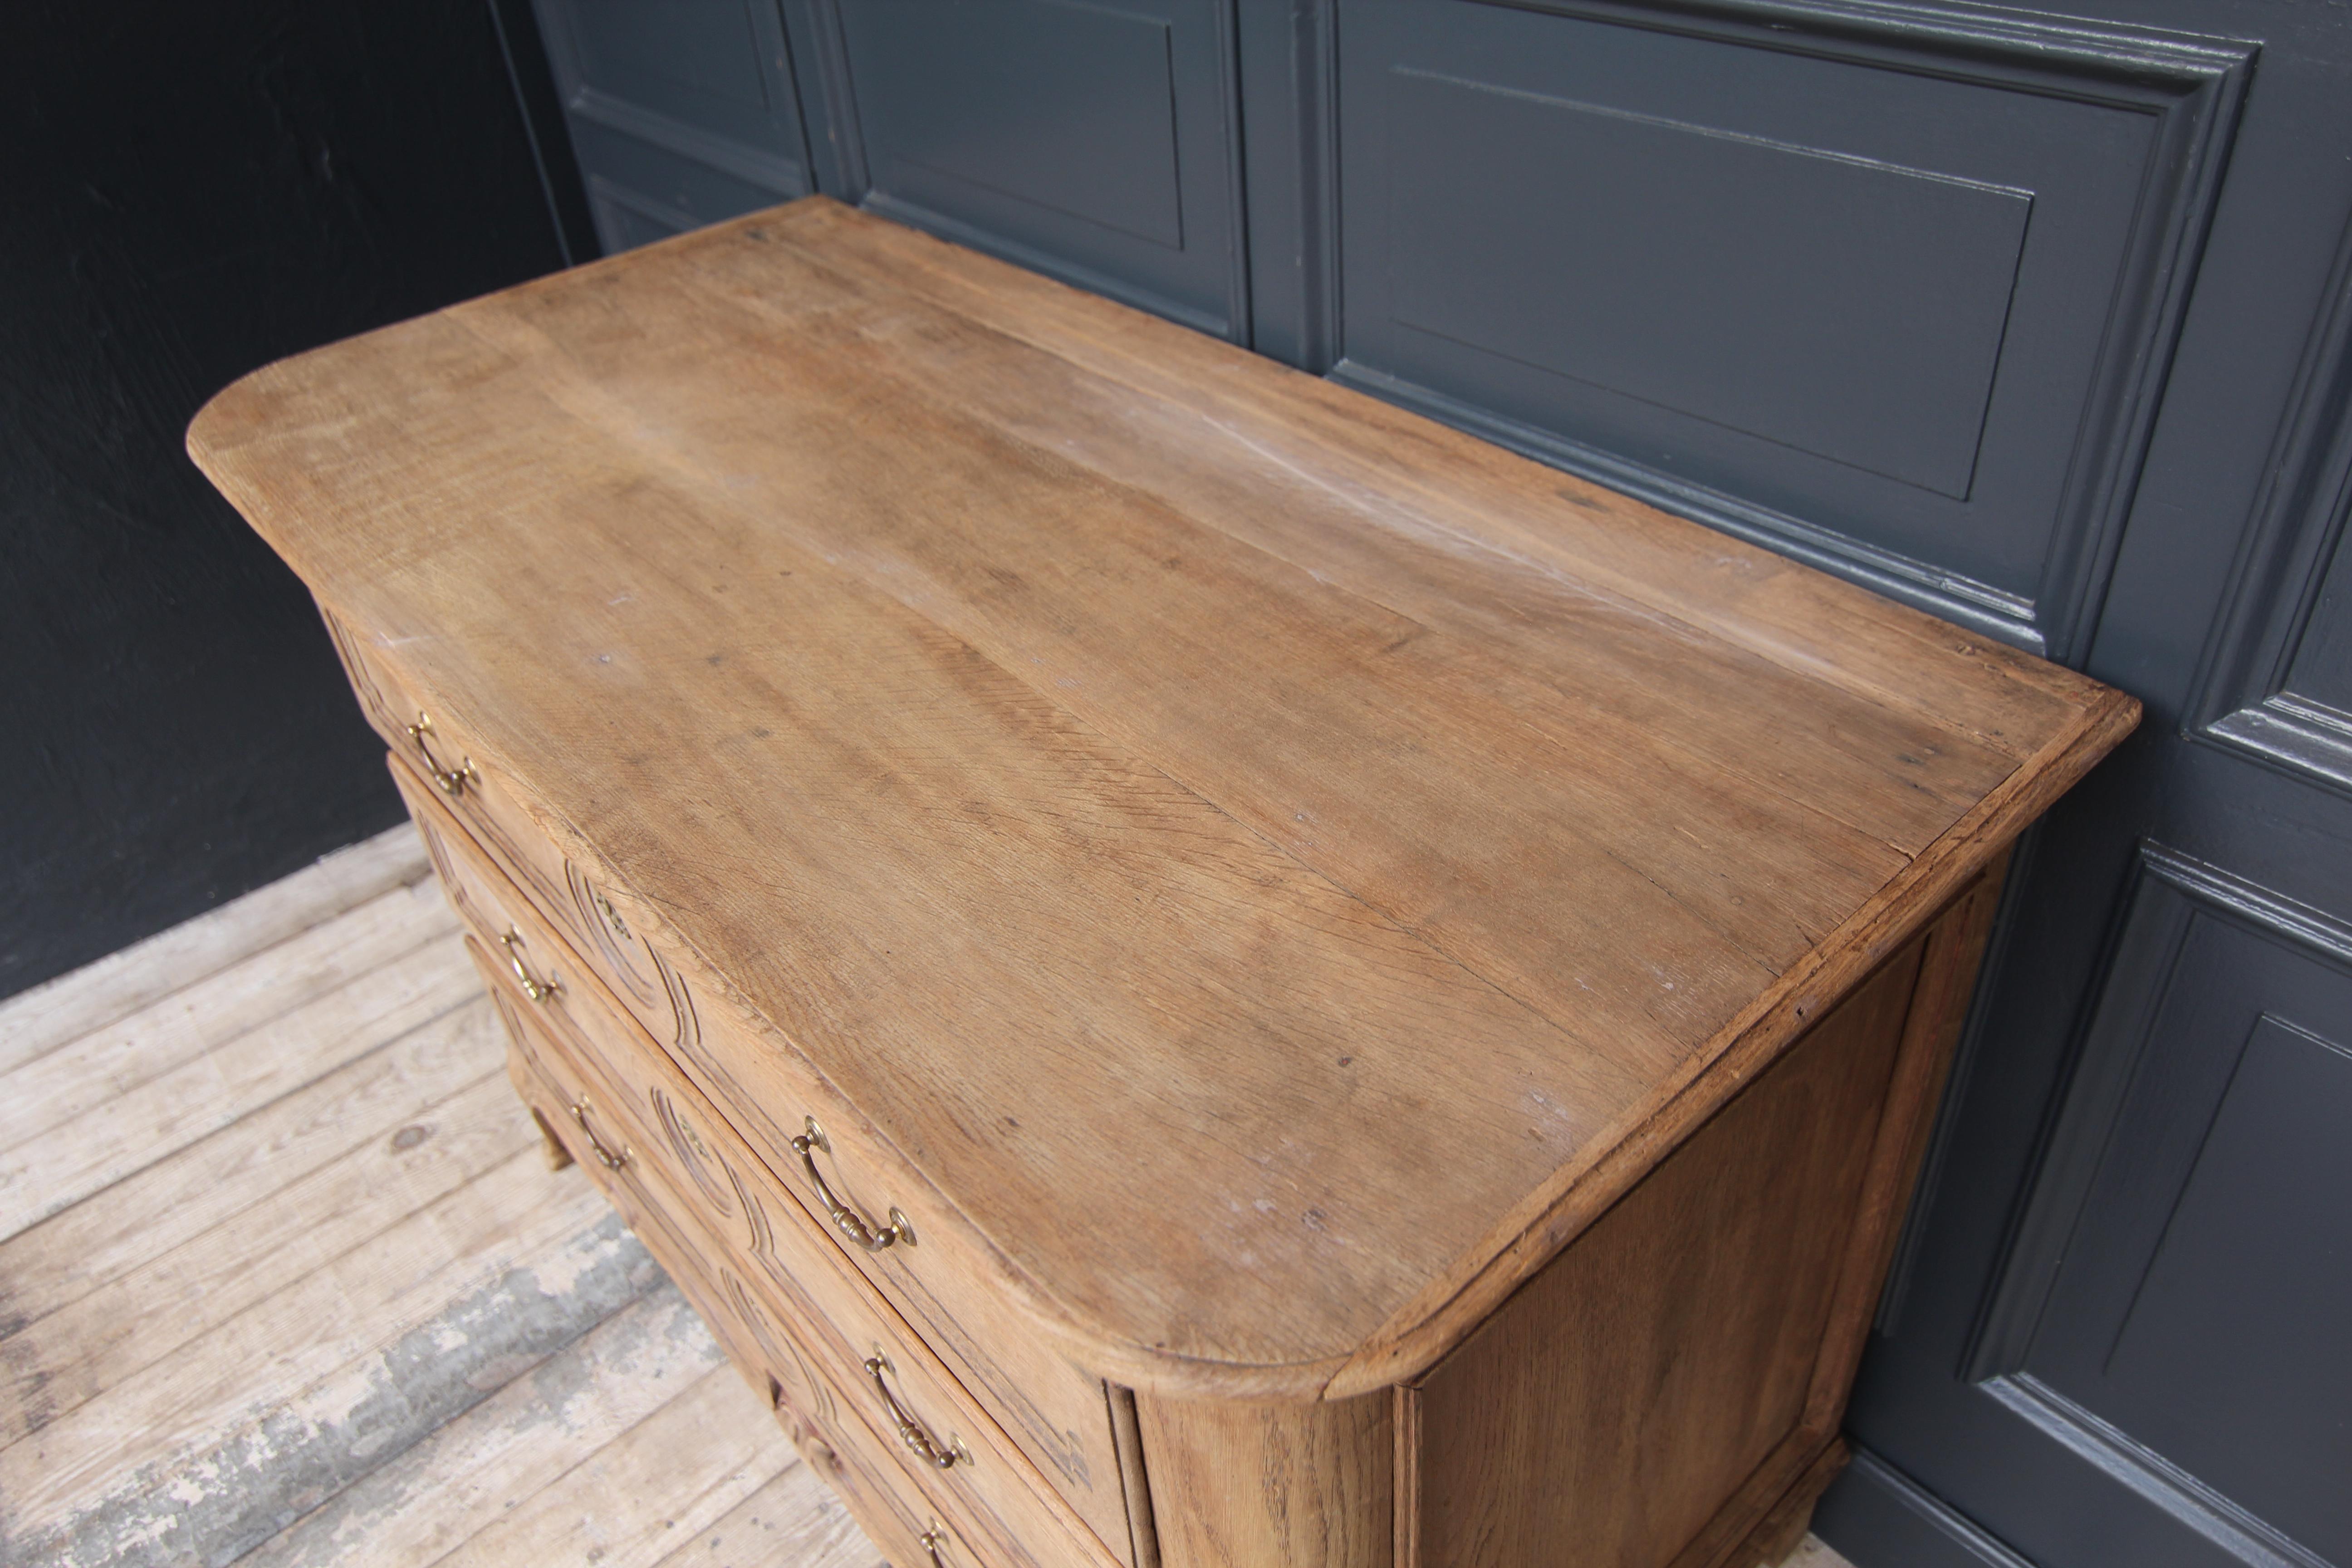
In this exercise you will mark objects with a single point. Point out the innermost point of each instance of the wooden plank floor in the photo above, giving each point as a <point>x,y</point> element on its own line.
<point>285,1281</point>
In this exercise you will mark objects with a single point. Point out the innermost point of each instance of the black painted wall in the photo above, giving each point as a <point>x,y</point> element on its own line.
<point>188,191</point>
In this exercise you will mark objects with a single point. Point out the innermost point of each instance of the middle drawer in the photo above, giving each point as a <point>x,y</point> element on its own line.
<point>714,1185</point>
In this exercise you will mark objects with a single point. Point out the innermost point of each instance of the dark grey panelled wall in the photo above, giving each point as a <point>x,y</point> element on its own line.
<point>1891,297</point>
<point>680,113</point>
<point>2040,320</point>
<point>1097,141</point>
<point>685,113</point>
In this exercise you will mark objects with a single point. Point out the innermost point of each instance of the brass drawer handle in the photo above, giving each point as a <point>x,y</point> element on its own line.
<point>847,1220</point>
<point>911,1432</point>
<point>452,780</point>
<point>605,1156</point>
<point>932,1540</point>
<point>538,990</point>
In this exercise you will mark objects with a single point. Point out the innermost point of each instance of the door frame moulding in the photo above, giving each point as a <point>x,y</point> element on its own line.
<point>1952,1537</point>
<point>2163,1484</point>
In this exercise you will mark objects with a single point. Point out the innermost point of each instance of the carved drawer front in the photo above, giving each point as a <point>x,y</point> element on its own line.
<point>1049,1409</point>
<point>911,1525</point>
<point>951,1285</point>
<point>642,1118</point>
<point>792,1317</point>
<point>888,1504</point>
<point>436,753</point>
<point>894,1507</point>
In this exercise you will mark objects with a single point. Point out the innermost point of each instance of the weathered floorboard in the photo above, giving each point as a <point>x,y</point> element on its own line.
<point>307,1293</point>
<point>92,1245</point>
<point>793,1521</point>
<point>57,1168</point>
<point>119,984</point>
<point>360,1352</point>
<point>674,1475</point>
<point>81,1350</point>
<point>642,1372</point>
<point>102,1066</point>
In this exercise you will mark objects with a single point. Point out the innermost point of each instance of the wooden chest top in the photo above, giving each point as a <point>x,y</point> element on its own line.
<point>1277,865</point>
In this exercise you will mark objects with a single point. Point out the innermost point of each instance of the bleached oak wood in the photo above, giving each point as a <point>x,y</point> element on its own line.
<point>66,1163</point>
<point>1036,1409</point>
<point>1638,1383</point>
<point>1236,1484</point>
<point>780,1299</point>
<point>1782,1528</point>
<point>97,994</point>
<point>243,1167</point>
<point>841,598</point>
<point>1951,954</point>
<point>107,1064</point>
<point>865,1468</point>
<point>1432,973</point>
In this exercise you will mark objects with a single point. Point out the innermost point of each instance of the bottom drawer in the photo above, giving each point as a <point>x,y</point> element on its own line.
<point>889,1506</point>
<point>903,1513</point>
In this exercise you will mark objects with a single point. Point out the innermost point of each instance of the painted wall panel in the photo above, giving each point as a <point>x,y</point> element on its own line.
<point>1097,142</point>
<point>2278,681</point>
<point>2173,1309</point>
<point>987,102</point>
<point>1887,305</point>
<point>2320,672</point>
<point>698,60</point>
<point>1848,309</point>
<point>2231,1357</point>
<point>680,113</point>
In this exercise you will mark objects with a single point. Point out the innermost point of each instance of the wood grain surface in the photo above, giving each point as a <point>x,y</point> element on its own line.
<point>1236,1484</point>
<point>1633,1385</point>
<point>1140,779</point>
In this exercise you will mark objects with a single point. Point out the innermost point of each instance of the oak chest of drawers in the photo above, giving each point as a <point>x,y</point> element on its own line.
<point>1187,967</point>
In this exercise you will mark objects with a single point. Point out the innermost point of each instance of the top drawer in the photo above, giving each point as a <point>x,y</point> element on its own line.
<point>436,747</point>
